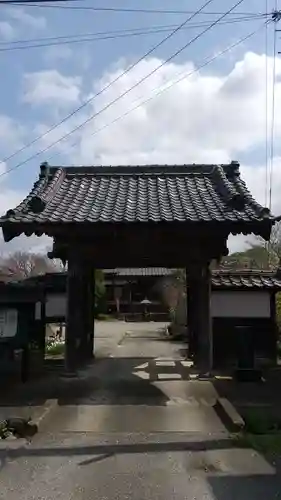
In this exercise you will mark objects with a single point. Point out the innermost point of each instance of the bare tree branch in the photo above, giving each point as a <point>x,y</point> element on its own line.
<point>21,265</point>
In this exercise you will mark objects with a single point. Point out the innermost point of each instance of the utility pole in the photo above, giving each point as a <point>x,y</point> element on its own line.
<point>276,17</point>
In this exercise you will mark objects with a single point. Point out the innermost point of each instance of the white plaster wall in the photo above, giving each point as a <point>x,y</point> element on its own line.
<point>240,304</point>
<point>8,322</point>
<point>55,305</point>
<point>224,304</point>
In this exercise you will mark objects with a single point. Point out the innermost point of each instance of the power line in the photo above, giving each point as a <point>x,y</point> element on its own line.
<point>180,78</point>
<point>92,37</point>
<point>129,30</point>
<point>46,4</point>
<point>158,91</point>
<point>266,109</point>
<point>266,127</point>
<point>31,2</point>
<point>97,33</point>
<point>131,88</point>
<point>276,18</point>
<point>132,66</point>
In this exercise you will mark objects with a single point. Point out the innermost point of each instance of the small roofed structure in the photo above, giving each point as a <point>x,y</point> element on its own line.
<point>177,216</point>
<point>243,309</point>
<point>19,334</point>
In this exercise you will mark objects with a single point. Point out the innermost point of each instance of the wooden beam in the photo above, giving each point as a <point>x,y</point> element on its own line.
<point>144,250</point>
<point>91,313</point>
<point>274,329</point>
<point>192,315</point>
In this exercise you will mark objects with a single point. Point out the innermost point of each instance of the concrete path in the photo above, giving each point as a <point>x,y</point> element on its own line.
<point>142,431</point>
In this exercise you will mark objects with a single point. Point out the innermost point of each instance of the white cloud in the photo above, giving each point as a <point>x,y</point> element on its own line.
<point>7,31</point>
<point>205,118</point>
<point>255,178</point>
<point>3,167</point>
<point>51,88</point>
<point>10,198</point>
<point>58,53</point>
<point>24,18</point>
<point>23,243</point>
<point>239,242</point>
<point>12,135</point>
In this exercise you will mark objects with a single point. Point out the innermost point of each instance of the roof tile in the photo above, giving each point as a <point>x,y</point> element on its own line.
<point>152,193</point>
<point>254,279</point>
<point>220,279</point>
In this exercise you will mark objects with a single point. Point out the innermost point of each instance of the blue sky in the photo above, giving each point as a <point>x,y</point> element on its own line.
<point>42,85</point>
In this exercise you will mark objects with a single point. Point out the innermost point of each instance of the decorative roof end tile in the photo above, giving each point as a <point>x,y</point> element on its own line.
<point>44,169</point>
<point>36,204</point>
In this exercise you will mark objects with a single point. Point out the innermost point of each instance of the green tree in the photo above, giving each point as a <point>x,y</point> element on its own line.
<point>255,257</point>
<point>278,311</point>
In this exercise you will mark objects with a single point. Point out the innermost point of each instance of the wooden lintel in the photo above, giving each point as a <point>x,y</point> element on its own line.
<point>165,250</point>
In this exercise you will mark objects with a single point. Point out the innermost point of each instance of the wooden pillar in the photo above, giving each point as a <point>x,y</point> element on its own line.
<point>191,311</point>
<point>205,334</point>
<point>91,314</point>
<point>88,306</point>
<point>43,323</point>
<point>274,328</point>
<point>76,325</point>
<point>200,315</point>
<point>130,297</point>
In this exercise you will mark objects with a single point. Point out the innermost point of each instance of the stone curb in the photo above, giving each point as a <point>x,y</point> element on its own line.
<point>229,415</point>
<point>12,444</point>
<point>48,407</point>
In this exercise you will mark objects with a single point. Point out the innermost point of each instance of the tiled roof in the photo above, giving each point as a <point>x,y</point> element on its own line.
<point>151,193</point>
<point>51,280</point>
<point>220,279</point>
<point>14,292</point>
<point>139,271</point>
<point>224,279</point>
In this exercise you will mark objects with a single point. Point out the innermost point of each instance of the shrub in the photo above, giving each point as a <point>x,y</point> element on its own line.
<point>278,311</point>
<point>55,348</point>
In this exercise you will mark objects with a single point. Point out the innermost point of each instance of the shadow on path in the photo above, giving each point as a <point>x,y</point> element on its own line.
<point>118,449</point>
<point>248,487</point>
<point>112,381</point>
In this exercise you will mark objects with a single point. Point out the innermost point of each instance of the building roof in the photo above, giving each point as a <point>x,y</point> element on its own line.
<point>246,279</point>
<point>139,271</point>
<point>221,279</point>
<point>129,194</point>
<point>50,281</point>
<point>17,292</point>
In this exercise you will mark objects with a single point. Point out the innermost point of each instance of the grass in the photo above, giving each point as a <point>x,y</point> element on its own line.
<point>267,444</point>
<point>260,421</point>
<point>279,348</point>
<point>105,317</point>
<point>55,348</point>
<point>262,432</point>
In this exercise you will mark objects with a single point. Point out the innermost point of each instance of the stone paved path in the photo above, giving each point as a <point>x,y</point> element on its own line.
<point>142,430</point>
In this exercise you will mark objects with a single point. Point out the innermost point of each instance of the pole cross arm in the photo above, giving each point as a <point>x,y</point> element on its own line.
<point>276,15</point>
